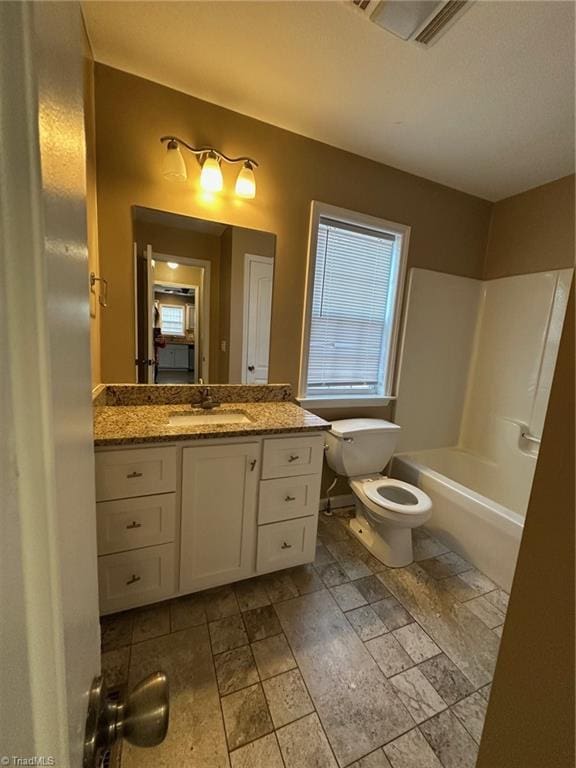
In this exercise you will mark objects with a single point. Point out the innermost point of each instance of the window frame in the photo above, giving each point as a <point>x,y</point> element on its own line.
<point>324,210</point>
<point>174,306</point>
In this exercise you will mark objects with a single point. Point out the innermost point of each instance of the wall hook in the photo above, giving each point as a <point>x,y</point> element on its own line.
<point>103,293</point>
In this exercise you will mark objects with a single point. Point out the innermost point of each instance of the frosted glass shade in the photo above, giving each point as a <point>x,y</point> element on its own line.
<point>174,167</point>
<point>211,177</point>
<point>246,183</point>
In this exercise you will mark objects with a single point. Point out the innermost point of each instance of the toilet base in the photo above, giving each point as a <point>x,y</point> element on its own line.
<point>391,545</point>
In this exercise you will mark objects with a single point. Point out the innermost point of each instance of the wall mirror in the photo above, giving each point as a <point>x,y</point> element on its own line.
<point>203,298</point>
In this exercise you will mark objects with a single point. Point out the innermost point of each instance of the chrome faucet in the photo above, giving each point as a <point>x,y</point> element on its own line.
<point>206,401</point>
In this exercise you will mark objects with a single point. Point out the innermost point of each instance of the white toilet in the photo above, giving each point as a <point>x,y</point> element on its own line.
<point>386,509</point>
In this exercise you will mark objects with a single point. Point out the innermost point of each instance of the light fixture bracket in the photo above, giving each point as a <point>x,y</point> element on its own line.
<point>203,152</point>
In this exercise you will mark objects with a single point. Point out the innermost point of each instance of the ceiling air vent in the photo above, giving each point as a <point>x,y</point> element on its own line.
<point>438,24</point>
<point>422,21</point>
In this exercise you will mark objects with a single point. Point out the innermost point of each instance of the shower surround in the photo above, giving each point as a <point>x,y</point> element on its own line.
<point>476,369</point>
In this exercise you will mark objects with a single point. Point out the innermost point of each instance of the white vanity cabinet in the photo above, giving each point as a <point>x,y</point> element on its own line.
<point>219,489</point>
<point>201,513</point>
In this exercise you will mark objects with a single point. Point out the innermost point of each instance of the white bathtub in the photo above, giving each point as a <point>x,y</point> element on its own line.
<point>464,517</point>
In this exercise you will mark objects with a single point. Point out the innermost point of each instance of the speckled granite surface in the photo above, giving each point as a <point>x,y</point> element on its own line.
<point>128,424</point>
<point>178,394</point>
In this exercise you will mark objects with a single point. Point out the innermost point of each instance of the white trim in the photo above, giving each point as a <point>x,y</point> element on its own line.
<point>318,403</point>
<point>248,258</point>
<point>204,292</point>
<point>317,210</point>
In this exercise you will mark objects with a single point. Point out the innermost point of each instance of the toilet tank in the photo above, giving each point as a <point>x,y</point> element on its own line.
<point>360,446</point>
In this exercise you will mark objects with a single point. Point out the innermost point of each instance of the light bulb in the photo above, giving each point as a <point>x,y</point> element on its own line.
<point>211,177</point>
<point>172,264</point>
<point>173,166</point>
<point>246,183</point>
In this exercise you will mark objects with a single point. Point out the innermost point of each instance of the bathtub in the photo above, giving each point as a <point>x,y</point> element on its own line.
<point>464,517</point>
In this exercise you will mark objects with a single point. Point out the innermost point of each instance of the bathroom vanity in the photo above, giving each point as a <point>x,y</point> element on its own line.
<point>189,499</point>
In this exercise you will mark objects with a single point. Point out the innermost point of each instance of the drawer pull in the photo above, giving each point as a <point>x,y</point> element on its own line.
<point>290,498</point>
<point>133,474</point>
<point>134,524</point>
<point>133,580</point>
<point>293,458</point>
<point>286,546</point>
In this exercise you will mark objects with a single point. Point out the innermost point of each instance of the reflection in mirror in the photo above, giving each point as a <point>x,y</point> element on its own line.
<point>203,300</point>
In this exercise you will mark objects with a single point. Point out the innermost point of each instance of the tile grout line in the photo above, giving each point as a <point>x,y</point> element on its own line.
<point>327,588</point>
<point>309,694</point>
<point>218,690</point>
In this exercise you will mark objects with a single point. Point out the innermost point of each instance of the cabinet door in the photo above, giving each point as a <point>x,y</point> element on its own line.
<point>218,527</point>
<point>165,357</point>
<point>181,356</point>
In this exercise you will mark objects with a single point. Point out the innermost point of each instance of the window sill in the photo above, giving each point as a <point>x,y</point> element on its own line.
<point>361,401</point>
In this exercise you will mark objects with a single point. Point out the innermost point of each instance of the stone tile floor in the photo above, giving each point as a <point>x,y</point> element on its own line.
<point>343,663</point>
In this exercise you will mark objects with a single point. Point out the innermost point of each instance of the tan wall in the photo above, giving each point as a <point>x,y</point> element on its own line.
<point>533,231</point>
<point>449,228</point>
<point>184,275</point>
<point>92,210</point>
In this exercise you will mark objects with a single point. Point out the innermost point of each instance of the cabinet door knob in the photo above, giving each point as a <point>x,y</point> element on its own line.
<point>134,524</point>
<point>251,368</point>
<point>286,546</point>
<point>133,580</point>
<point>133,474</point>
<point>290,498</point>
<point>293,458</point>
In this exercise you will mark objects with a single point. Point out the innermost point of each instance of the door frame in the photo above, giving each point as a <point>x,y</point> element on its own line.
<point>248,259</point>
<point>205,306</point>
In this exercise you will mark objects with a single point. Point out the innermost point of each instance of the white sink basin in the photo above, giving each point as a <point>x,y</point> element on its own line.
<point>197,419</point>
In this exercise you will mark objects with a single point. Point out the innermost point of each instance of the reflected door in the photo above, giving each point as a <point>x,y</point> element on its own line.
<point>144,309</point>
<point>258,277</point>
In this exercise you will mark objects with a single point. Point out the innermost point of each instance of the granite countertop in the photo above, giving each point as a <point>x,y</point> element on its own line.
<point>132,424</point>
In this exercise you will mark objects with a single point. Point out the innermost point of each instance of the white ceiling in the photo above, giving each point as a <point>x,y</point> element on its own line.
<point>488,109</point>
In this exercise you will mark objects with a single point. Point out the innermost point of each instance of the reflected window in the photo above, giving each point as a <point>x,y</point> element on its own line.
<point>172,320</point>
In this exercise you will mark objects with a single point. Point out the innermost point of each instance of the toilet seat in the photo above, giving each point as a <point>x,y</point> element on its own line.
<point>391,495</point>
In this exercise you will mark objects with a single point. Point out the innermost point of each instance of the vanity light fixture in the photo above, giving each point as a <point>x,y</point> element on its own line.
<point>211,179</point>
<point>210,159</point>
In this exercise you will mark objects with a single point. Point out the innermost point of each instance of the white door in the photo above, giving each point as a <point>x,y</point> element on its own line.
<point>48,573</point>
<point>258,278</point>
<point>218,514</point>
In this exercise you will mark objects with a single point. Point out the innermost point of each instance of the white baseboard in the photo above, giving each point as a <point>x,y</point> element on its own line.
<point>336,502</point>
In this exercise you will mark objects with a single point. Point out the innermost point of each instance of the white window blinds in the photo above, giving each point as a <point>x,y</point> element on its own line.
<point>172,320</point>
<point>354,295</point>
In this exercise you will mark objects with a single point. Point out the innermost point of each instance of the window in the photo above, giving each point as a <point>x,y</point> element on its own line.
<point>172,320</point>
<point>354,287</point>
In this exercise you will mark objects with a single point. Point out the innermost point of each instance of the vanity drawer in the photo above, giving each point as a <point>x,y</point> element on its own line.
<point>134,578</point>
<point>131,523</point>
<point>288,498</point>
<point>281,545</point>
<point>139,472</point>
<point>288,456</point>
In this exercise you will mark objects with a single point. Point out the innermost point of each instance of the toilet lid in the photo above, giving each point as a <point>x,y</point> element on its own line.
<point>397,495</point>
